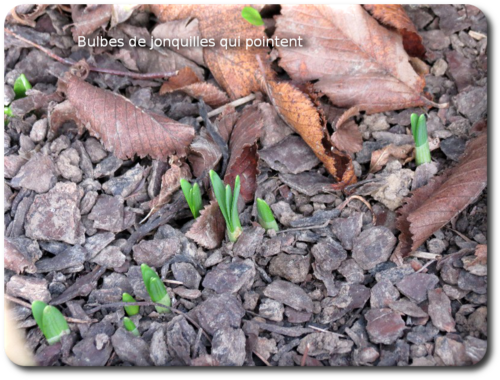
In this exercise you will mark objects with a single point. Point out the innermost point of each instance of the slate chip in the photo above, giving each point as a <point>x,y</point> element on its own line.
<point>108,213</point>
<point>219,311</point>
<point>131,349</point>
<point>187,274</point>
<point>56,215</point>
<point>228,347</point>
<point>230,277</point>
<point>415,286</point>
<point>289,294</point>
<point>294,268</point>
<point>71,257</point>
<point>373,246</point>
<point>384,326</point>
<point>440,310</point>
<point>156,252</point>
<point>38,174</point>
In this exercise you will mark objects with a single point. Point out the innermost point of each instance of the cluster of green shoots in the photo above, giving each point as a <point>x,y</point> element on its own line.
<point>419,132</point>
<point>227,199</point>
<point>21,85</point>
<point>53,324</point>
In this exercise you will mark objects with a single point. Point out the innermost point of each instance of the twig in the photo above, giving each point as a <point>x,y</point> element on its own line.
<point>234,103</point>
<point>82,321</point>
<point>363,200</point>
<point>425,255</point>
<point>433,104</point>
<point>174,282</point>
<point>305,228</point>
<point>70,62</point>
<point>426,265</point>
<point>18,301</point>
<point>461,235</point>
<point>261,358</point>
<point>304,357</point>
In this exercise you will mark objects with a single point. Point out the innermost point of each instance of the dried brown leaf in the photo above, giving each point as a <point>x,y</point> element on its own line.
<point>226,121</point>
<point>233,68</point>
<point>18,14</point>
<point>170,182</point>
<point>208,229</point>
<point>481,255</point>
<point>445,196</point>
<point>394,16</point>
<point>347,137</point>
<point>125,130</point>
<point>243,158</point>
<point>182,29</point>
<point>381,157</point>
<point>204,154</point>
<point>188,82</point>
<point>87,19</point>
<point>299,112</point>
<point>361,63</point>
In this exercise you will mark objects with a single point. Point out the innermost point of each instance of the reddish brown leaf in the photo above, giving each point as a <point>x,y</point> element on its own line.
<point>394,16</point>
<point>243,158</point>
<point>361,63</point>
<point>226,121</point>
<point>87,19</point>
<point>434,205</point>
<point>299,112</point>
<point>233,68</point>
<point>347,137</point>
<point>208,229</point>
<point>204,154</point>
<point>481,255</point>
<point>402,153</point>
<point>185,77</point>
<point>170,182</point>
<point>125,129</point>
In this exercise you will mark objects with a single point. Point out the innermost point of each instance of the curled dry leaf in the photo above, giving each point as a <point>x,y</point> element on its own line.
<point>299,112</point>
<point>208,229</point>
<point>233,68</point>
<point>204,154</point>
<point>363,64</point>
<point>121,13</point>
<point>26,14</point>
<point>170,182</point>
<point>87,19</point>
<point>188,82</point>
<point>394,16</point>
<point>434,205</point>
<point>182,29</point>
<point>125,130</point>
<point>381,157</point>
<point>243,158</point>
<point>347,137</point>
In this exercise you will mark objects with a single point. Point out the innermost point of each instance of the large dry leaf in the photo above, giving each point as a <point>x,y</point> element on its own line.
<point>243,160</point>
<point>125,130</point>
<point>87,19</point>
<point>299,112</point>
<point>170,182</point>
<point>394,16</point>
<point>434,205</point>
<point>233,68</point>
<point>188,82</point>
<point>208,229</point>
<point>355,60</point>
<point>391,152</point>
<point>182,29</point>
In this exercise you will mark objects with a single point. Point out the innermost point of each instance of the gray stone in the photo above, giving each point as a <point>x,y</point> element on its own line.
<point>383,294</point>
<point>131,349</point>
<point>289,294</point>
<point>415,286</point>
<point>346,229</point>
<point>219,311</point>
<point>230,277</point>
<point>108,213</point>
<point>271,309</point>
<point>187,274</point>
<point>384,326</point>
<point>56,215</point>
<point>373,246</point>
<point>228,347</point>
<point>156,252</point>
<point>249,241</point>
<point>294,268</point>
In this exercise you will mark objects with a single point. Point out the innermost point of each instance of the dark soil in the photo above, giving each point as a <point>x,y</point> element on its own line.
<point>323,291</point>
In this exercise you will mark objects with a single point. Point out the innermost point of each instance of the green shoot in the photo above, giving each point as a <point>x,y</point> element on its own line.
<point>130,310</point>
<point>193,197</point>
<point>8,114</point>
<point>50,321</point>
<point>419,132</point>
<point>21,85</point>
<point>156,289</point>
<point>252,15</point>
<point>130,326</point>
<point>265,216</point>
<point>228,204</point>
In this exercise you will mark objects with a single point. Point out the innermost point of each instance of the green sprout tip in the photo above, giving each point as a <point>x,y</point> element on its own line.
<point>419,132</point>
<point>265,216</point>
<point>228,203</point>
<point>156,289</point>
<point>193,197</point>
<point>130,310</point>
<point>50,321</point>
<point>21,85</point>
<point>130,326</point>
